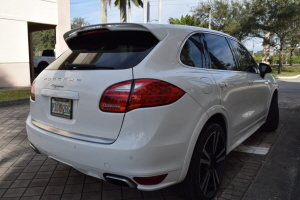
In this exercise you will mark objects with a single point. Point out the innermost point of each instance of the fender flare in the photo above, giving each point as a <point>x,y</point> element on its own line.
<point>218,109</point>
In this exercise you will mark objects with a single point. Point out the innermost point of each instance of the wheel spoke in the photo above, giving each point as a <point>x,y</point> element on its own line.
<point>214,180</point>
<point>223,150</point>
<point>215,142</point>
<point>217,176</point>
<point>221,159</point>
<point>205,183</point>
<point>206,162</point>
<point>206,154</point>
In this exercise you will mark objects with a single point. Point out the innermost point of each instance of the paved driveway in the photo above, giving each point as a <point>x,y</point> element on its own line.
<point>26,175</point>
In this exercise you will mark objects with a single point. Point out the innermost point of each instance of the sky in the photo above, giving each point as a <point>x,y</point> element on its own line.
<point>90,10</point>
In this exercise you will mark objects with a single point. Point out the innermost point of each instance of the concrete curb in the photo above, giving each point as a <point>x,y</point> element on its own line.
<point>288,77</point>
<point>14,102</point>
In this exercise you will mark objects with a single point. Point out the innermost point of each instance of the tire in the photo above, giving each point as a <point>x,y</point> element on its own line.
<point>207,165</point>
<point>41,67</point>
<point>272,120</point>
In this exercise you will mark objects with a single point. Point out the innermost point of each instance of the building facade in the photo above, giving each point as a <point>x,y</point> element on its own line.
<point>18,19</point>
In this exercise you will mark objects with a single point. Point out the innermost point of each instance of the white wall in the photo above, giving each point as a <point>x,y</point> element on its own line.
<point>63,25</point>
<point>14,49</point>
<point>13,41</point>
<point>39,11</point>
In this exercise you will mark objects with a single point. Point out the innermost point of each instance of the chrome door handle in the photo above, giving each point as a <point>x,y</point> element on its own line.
<point>266,82</point>
<point>222,85</point>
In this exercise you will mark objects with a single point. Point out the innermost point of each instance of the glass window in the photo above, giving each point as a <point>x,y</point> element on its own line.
<point>192,53</point>
<point>106,50</point>
<point>245,60</point>
<point>219,52</point>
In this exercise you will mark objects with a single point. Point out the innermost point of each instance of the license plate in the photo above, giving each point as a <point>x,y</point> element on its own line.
<point>61,107</point>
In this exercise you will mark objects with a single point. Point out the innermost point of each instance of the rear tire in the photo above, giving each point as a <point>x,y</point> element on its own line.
<point>207,165</point>
<point>272,120</point>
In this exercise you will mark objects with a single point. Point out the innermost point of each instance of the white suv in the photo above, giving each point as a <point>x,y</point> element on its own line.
<point>149,106</point>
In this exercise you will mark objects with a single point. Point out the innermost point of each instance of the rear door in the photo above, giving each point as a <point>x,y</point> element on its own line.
<point>69,91</point>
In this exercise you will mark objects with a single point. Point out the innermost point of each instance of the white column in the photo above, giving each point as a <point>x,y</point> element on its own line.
<point>145,11</point>
<point>159,11</point>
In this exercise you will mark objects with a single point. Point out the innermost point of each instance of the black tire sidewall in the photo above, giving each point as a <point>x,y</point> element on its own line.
<point>193,176</point>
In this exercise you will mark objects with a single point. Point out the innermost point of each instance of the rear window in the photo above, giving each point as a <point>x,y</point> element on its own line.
<point>106,50</point>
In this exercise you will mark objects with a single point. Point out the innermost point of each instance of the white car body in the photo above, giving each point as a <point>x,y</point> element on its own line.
<point>146,141</point>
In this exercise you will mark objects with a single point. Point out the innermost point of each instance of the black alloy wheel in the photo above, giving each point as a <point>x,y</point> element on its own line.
<point>212,164</point>
<point>207,165</point>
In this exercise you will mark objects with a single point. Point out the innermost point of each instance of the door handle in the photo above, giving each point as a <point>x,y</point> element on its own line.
<point>251,82</point>
<point>266,82</point>
<point>222,85</point>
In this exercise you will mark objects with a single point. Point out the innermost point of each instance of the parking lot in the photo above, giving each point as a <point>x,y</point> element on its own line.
<point>26,175</point>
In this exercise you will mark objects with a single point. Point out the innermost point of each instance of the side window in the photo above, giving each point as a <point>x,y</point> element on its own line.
<point>192,52</point>
<point>245,60</point>
<point>219,52</point>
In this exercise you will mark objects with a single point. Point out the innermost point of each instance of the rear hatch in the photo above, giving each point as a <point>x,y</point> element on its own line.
<point>68,92</point>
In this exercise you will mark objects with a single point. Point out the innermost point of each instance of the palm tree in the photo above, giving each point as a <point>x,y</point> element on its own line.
<point>121,4</point>
<point>103,5</point>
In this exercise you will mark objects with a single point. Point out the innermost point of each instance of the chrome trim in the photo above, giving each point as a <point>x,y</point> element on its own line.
<point>72,135</point>
<point>34,148</point>
<point>125,180</point>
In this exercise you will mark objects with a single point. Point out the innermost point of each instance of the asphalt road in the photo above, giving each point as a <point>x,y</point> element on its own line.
<point>279,176</point>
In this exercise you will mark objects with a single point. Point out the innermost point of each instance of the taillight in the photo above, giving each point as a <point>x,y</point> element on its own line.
<point>129,95</point>
<point>115,98</point>
<point>32,91</point>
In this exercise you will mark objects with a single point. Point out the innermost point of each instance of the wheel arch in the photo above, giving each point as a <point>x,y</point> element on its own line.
<point>218,117</point>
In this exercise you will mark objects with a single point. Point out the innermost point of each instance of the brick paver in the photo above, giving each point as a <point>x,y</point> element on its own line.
<point>26,175</point>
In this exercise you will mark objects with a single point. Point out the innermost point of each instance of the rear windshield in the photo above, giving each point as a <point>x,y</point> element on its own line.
<point>108,50</point>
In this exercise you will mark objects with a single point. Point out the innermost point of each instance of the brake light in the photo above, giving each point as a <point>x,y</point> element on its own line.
<point>90,32</point>
<point>32,91</point>
<point>150,180</point>
<point>130,95</point>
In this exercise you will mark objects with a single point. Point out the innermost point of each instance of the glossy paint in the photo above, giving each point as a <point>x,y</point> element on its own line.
<point>155,140</point>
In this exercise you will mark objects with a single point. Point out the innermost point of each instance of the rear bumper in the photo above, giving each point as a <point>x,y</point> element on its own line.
<point>146,146</point>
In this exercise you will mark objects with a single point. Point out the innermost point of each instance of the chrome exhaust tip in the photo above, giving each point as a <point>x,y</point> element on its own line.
<point>119,180</point>
<point>34,148</point>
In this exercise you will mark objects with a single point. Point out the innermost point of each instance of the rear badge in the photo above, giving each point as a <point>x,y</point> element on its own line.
<point>63,79</point>
<point>57,86</point>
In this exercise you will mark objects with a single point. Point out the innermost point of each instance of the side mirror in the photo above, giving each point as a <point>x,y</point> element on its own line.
<point>264,68</point>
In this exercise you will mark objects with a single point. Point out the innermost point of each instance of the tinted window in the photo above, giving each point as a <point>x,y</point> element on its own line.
<point>245,60</point>
<point>192,53</point>
<point>110,50</point>
<point>219,52</point>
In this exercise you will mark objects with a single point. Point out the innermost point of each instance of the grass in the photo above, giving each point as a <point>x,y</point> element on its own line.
<point>286,70</point>
<point>14,94</point>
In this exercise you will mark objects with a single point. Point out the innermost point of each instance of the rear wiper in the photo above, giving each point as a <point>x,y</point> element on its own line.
<point>85,66</point>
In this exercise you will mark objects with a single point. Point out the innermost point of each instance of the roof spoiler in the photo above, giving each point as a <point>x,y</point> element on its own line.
<point>156,29</point>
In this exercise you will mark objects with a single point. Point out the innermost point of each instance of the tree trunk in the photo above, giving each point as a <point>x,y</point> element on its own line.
<point>291,57</point>
<point>266,47</point>
<point>103,7</point>
<point>280,59</point>
<point>123,11</point>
